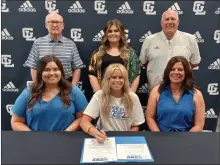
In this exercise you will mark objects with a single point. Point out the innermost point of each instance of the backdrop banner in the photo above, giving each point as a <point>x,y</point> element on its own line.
<point>24,21</point>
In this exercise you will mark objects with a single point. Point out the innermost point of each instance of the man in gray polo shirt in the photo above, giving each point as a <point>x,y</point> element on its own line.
<point>56,44</point>
<point>158,48</point>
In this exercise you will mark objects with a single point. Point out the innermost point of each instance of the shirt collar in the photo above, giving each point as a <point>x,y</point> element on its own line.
<point>51,40</point>
<point>165,38</point>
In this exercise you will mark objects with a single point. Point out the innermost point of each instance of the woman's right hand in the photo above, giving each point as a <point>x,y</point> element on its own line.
<point>100,136</point>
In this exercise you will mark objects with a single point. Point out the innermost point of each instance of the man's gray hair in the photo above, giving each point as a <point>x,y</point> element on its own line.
<point>51,12</point>
<point>177,16</point>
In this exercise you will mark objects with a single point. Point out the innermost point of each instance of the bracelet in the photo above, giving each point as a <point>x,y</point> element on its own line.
<point>87,129</point>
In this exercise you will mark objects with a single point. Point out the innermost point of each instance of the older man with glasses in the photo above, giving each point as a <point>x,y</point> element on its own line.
<point>56,44</point>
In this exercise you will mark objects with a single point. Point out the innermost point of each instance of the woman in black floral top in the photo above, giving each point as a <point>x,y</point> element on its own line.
<point>114,49</point>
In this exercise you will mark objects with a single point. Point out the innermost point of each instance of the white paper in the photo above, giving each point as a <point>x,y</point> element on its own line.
<point>133,151</point>
<point>97,152</point>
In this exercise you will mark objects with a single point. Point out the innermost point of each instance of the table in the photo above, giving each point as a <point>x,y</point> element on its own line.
<point>66,147</point>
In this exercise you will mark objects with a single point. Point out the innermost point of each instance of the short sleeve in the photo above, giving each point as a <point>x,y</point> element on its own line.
<point>137,111</point>
<point>80,102</point>
<point>195,57</point>
<point>21,104</point>
<point>134,66</point>
<point>93,108</point>
<point>92,65</point>
<point>33,57</point>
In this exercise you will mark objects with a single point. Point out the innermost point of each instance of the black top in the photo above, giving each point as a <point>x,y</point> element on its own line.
<point>108,59</point>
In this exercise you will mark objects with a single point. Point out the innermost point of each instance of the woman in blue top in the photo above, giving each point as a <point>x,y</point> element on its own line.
<point>51,103</point>
<point>176,105</point>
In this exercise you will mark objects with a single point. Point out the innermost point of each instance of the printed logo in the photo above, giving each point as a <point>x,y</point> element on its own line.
<point>143,88</point>
<point>29,83</point>
<point>125,9</point>
<point>144,109</point>
<point>28,34</point>
<point>27,7</point>
<point>9,108</point>
<point>118,112</point>
<point>198,8</point>
<point>217,11</point>
<point>6,61</point>
<point>99,6</point>
<point>198,37</point>
<point>10,88</point>
<point>210,114</point>
<point>6,35</point>
<point>126,34</point>
<point>176,7</point>
<point>215,64</point>
<point>99,36</point>
<point>4,8</point>
<point>76,35</point>
<point>80,86</point>
<point>50,5</point>
<point>144,36</point>
<point>148,8</point>
<point>76,8</point>
<point>217,36</point>
<point>213,89</point>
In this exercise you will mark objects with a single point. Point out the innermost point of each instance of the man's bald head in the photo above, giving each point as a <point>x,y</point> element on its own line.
<point>169,23</point>
<point>54,24</point>
<point>52,15</point>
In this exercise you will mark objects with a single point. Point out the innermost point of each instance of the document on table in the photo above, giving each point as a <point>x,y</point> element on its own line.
<point>133,149</point>
<point>97,152</point>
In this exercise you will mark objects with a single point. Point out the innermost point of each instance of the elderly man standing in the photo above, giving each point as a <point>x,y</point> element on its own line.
<point>56,44</point>
<point>158,48</point>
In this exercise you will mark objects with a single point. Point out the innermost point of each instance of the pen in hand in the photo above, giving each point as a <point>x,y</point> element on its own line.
<point>100,136</point>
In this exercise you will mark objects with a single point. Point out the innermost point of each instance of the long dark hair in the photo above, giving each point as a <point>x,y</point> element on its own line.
<point>188,82</point>
<point>123,44</point>
<point>38,87</point>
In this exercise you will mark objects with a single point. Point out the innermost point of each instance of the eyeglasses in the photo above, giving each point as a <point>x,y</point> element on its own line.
<point>54,22</point>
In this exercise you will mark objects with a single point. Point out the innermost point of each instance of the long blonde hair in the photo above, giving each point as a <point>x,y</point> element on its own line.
<point>106,90</point>
<point>123,45</point>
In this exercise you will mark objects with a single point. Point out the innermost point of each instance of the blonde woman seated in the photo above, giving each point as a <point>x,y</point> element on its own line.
<point>176,105</point>
<point>117,107</point>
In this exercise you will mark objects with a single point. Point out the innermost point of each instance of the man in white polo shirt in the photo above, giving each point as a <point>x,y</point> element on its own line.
<point>158,48</point>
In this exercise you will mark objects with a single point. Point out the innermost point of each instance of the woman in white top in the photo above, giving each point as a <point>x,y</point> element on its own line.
<point>117,107</point>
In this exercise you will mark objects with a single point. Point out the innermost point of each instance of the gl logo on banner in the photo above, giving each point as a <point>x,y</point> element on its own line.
<point>9,108</point>
<point>99,6</point>
<point>76,35</point>
<point>51,5</point>
<point>213,89</point>
<point>4,8</point>
<point>148,8</point>
<point>28,34</point>
<point>198,8</point>
<point>6,61</point>
<point>217,36</point>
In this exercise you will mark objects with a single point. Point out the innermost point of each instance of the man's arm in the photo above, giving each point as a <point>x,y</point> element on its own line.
<point>195,58</point>
<point>76,76</point>
<point>33,74</point>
